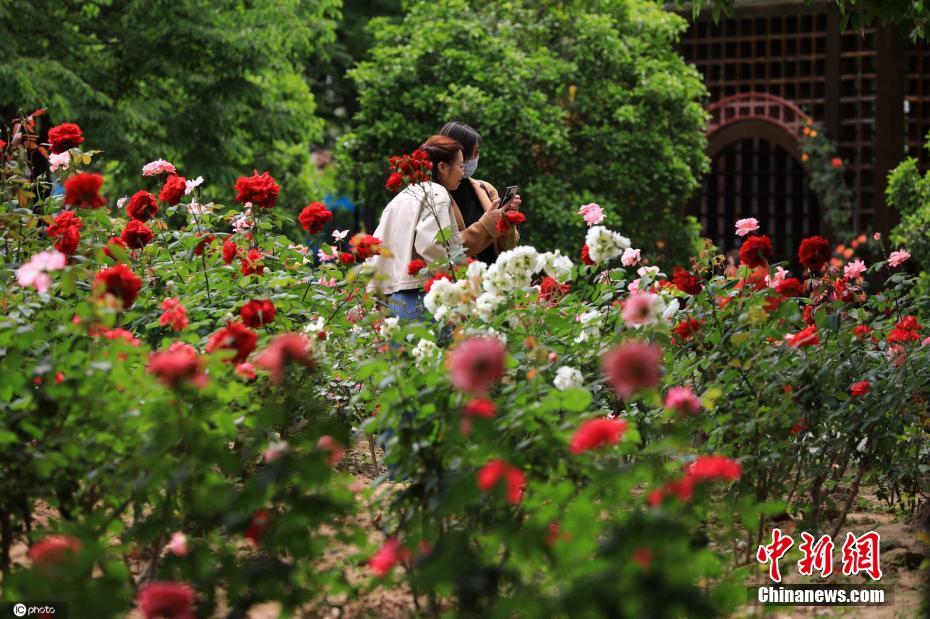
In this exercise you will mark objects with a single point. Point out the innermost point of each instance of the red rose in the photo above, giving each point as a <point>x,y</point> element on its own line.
<point>685,281</point>
<point>260,190</point>
<point>632,366</point>
<point>756,251</point>
<point>861,331</point>
<point>814,252</point>
<point>230,250</point>
<point>234,336</point>
<point>550,291</point>
<point>142,206</point>
<point>83,191</point>
<point>365,246</point>
<point>114,240</point>
<point>709,468</point>
<point>860,389</point>
<point>514,479</point>
<point>284,349</point>
<point>688,328</point>
<point>175,314</point>
<point>67,229</point>
<point>415,266</point>
<point>595,433</point>
<point>909,323</point>
<point>203,243</point>
<point>790,287</point>
<point>64,136</point>
<point>137,235</point>
<point>159,599</point>
<point>585,255</point>
<point>53,550</point>
<point>256,313</point>
<point>173,189</point>
<point>510,219</point>
<point>177,365</point>
<point>121,282</point>
<point>314,217</point>
<point>479,407</point>
<point>347,258</point>
<point>395,182</point>
<point>804,338</point>
<point>2,144</point>
<point>837,163</point>
<point>252,263</point>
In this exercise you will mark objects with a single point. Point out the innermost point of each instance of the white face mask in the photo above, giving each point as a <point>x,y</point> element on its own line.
<point>470,167</point>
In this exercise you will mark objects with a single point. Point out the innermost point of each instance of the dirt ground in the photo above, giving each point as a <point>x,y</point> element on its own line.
<point>903,548</point>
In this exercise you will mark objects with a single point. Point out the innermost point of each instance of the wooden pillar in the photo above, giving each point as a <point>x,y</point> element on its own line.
<point>890,125</point>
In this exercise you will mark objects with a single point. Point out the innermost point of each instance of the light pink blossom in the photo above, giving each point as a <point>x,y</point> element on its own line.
<point>682,400</point>
<point>191,185</point>
<point>592,213</point>
<point>121,202</point>
<point>59,161</point>
<point>776,278</point>
<point>630,257</point>
<point>854,269</point>
<point>877,236</point>
<point>275,450</point>
<point>340,234</point>
<point>638,309</point>
<point>476,364</point>
<point>154,168</point>
<point>34,274</point>
<point>329,283</point>
<point>898,258</point>
<point>324,257</point>
<point>926,342</point>
<point>633,285</point>
<point>178,544</point>
<point>745,226</point>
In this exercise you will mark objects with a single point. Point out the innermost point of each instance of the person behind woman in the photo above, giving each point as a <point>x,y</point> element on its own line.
<point>473,197</point>
<point>410,225</point>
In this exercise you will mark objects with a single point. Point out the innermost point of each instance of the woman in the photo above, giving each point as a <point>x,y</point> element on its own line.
<point>410,229</point>
<point>473,197</point>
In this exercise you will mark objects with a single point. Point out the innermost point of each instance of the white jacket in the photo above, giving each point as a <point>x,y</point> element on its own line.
<point>408,230</point>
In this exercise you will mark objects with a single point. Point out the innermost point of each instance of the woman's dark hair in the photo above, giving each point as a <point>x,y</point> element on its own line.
<point>441,149</point>
<point>466,136</point>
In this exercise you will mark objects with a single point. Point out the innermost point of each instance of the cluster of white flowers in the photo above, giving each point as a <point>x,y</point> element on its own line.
<point>388,327</point>
<point>555,265</point>
<point>604,244</point>
<point>567,377</point>
<point>513,270</point>
<point>590,326</point>
<point>425,353</point>
<point>448,300</point>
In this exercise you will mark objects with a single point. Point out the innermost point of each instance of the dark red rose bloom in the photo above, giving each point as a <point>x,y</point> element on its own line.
<point>709,468</point>
<point>479,407</point>
<point>395,182</point>
<point>510,219</point>
<point>114,240</point>
<point>257,312</point>
<point>790,287</point>
<point>64,137</point>
<point>230,250</point>
<point>173,189</point>
<point>909,323</point>
<point>415,266</point>
<point>234,336</point>
<point>121,282</point>
<point>688,328</point>
<point>807,315</point>
<point>861,331</point>
<point>896,336</point>
<point>347,258</point>
<point>259,189</point>
<point>685,281</point>
<point>257,526</point>
<point>166,600</point>
<point>814,252</point>
<point>365,246</point>
<point>177,365</point>
<point>756,280</point>
<point>67,229</point>
<point>314,217</point>
<point>137,235</point>
<point>551,291</point>
<point>83,191</point>
<point>142,206</point>
<point>203,243</point>
<point>756,251</point>
<point>434,278</point>
<point>804,337</point>
<point>252,263</point>
<point>585,255</point>
<point>53,550</point>
<point>857,390</point>
<point>496,470</point>
<point>595,433</point>
<point>2,144</point>
<point>284,349</point>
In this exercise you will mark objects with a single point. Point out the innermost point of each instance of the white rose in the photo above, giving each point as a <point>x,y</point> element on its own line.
<point>567,377</point>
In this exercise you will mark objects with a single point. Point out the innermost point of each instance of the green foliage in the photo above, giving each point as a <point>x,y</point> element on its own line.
<point>909,192</point>
<point>213,87</point>
<point>575,102</point>
<point>826,179</point>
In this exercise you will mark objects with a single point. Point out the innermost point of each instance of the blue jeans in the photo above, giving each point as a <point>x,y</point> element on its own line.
<point>407,304</point>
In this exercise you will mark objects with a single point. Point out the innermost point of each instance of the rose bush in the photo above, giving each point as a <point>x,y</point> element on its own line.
<point>592,438</point>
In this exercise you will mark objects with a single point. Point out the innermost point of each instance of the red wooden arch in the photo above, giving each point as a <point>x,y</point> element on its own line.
<point>755,115</point>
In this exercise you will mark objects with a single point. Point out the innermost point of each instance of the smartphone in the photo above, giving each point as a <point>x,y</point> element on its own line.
<point>509,194</point>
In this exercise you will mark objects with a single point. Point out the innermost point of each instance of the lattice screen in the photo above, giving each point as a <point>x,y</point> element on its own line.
<point>917,91</point>
<point>857,120</point>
